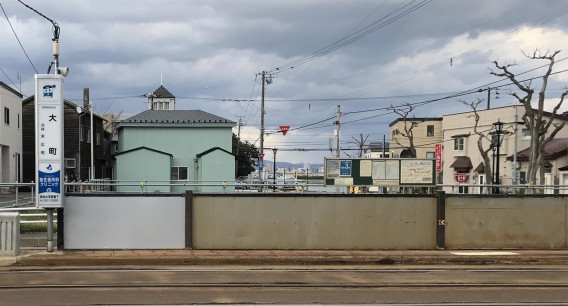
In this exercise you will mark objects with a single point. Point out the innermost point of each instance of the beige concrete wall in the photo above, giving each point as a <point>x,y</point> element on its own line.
<point>474,223</point>
<point>228,222</point>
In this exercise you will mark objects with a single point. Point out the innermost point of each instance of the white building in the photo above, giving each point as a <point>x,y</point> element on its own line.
<point>10,135</point>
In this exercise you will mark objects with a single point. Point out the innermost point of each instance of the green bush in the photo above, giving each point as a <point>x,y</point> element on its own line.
<point>35,227</point>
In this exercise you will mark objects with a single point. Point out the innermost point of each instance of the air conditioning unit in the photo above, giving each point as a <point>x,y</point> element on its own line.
<point>70,163</point>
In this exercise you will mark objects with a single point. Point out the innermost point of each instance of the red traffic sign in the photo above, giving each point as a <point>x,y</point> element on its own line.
<point>261,155</point>
<point>284,129</point>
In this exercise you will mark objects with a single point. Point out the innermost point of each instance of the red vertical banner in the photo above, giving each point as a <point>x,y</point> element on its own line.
<point>438,155</point>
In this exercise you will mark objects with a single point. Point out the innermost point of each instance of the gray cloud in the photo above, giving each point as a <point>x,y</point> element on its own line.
<point>214,48</point>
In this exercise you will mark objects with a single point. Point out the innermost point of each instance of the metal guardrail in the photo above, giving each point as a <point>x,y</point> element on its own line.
<point>16,195</point>
<point>253,186</point>
<point>22,216</point>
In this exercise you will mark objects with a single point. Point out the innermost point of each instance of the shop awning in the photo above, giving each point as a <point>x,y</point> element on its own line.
<point>480,168</point>
<point>462,163</point>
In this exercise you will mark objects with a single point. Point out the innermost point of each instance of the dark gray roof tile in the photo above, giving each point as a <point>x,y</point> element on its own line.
<point>176,116</point>
<point>162,92</point>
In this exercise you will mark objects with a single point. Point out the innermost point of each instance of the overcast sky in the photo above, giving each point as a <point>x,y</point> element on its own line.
<point>210,52</point>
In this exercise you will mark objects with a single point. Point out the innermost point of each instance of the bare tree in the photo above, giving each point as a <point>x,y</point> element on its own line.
<point>361,143</point>
<point>409,124</point>
<point>482,135</point>
<point>533,118</point>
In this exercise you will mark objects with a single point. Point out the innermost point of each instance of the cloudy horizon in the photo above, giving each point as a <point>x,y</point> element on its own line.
<point>362,55</point>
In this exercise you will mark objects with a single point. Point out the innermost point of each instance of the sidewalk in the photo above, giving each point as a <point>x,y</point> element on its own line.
<point>41,258</point>
<point>34,253</point>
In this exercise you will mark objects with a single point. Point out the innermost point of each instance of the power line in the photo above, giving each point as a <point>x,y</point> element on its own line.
<point>8,77</point>
<point>354,36</point>
<point>411,75</point>
<point>19,42</point>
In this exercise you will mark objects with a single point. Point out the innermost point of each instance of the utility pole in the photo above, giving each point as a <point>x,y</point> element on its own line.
<point>92,142</point>
<point>266,79</point>
<point>338,123</point>
<point>238,145</point>
<point>239,133</point>
<point>515,179</point>
<point>262,125</point>
<point>489,98</point>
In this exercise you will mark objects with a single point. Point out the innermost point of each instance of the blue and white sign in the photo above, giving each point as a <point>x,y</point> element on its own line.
<point>49,140</point>
<point>345,167</point>
<point>261,164</point>
<point>49,183</point>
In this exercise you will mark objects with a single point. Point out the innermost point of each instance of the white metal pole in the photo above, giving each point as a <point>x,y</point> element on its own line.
<point>92,142</point>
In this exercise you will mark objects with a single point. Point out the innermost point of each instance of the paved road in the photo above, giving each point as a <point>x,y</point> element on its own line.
<point>354,284</point>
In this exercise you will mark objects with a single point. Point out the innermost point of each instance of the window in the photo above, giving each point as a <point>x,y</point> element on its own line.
<point>430,155</point>
<point>179,174</point>
<point>98,139</point>
<point>430,131</point>
<point>458,144</point>
<point>88,135</point>
<point>6,115</point>
<point>526,134</point>
<point>463,189</point>
<point>522,177</point>
<point>82,134</point>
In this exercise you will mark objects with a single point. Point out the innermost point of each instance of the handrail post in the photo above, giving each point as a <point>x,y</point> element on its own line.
<point>441,220</point>
<point>17,187</point>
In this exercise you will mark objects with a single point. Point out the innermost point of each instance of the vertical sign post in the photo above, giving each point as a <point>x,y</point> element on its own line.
<point>438,155</point>
<point>49,140</point>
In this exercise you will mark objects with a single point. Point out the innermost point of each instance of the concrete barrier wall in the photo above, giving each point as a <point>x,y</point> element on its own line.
<point>289,221</point>
<point>313,222</point>
<point>124,222</point>
<point>502,222</point>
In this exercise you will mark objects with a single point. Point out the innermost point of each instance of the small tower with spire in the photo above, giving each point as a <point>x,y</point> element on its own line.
<point>161,99</point>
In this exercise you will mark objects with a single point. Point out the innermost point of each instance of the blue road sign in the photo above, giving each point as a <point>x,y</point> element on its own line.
<point>345,167</point>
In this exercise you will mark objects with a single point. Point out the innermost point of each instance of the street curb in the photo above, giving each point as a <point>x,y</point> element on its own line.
<point>79,259</point>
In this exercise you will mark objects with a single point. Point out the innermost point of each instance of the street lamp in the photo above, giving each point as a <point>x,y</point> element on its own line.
<point>498,130</point>
<point>274,150</point>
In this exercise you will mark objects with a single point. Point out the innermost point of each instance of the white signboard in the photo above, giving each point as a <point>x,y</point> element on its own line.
<point>417,171</point>
<point>49,140</point>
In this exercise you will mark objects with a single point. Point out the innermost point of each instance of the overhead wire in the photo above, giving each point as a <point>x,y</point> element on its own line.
<point>8,77</point>
<point>417,104</point>
<point>17,38</point>
<point>353,37</point>
<point>413,74</point>
<point>302,74</point>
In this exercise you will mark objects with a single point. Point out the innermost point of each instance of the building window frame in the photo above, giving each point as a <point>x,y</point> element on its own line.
<point>88,135</point>
<point>430,154</point>
<point>179,173</point>
<point>6,115</point>
<point>430,130</point>
<point>459,144</point>
<point>526,134</point>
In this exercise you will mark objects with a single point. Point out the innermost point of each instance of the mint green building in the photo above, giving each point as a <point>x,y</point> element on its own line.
<point>175,146</point>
